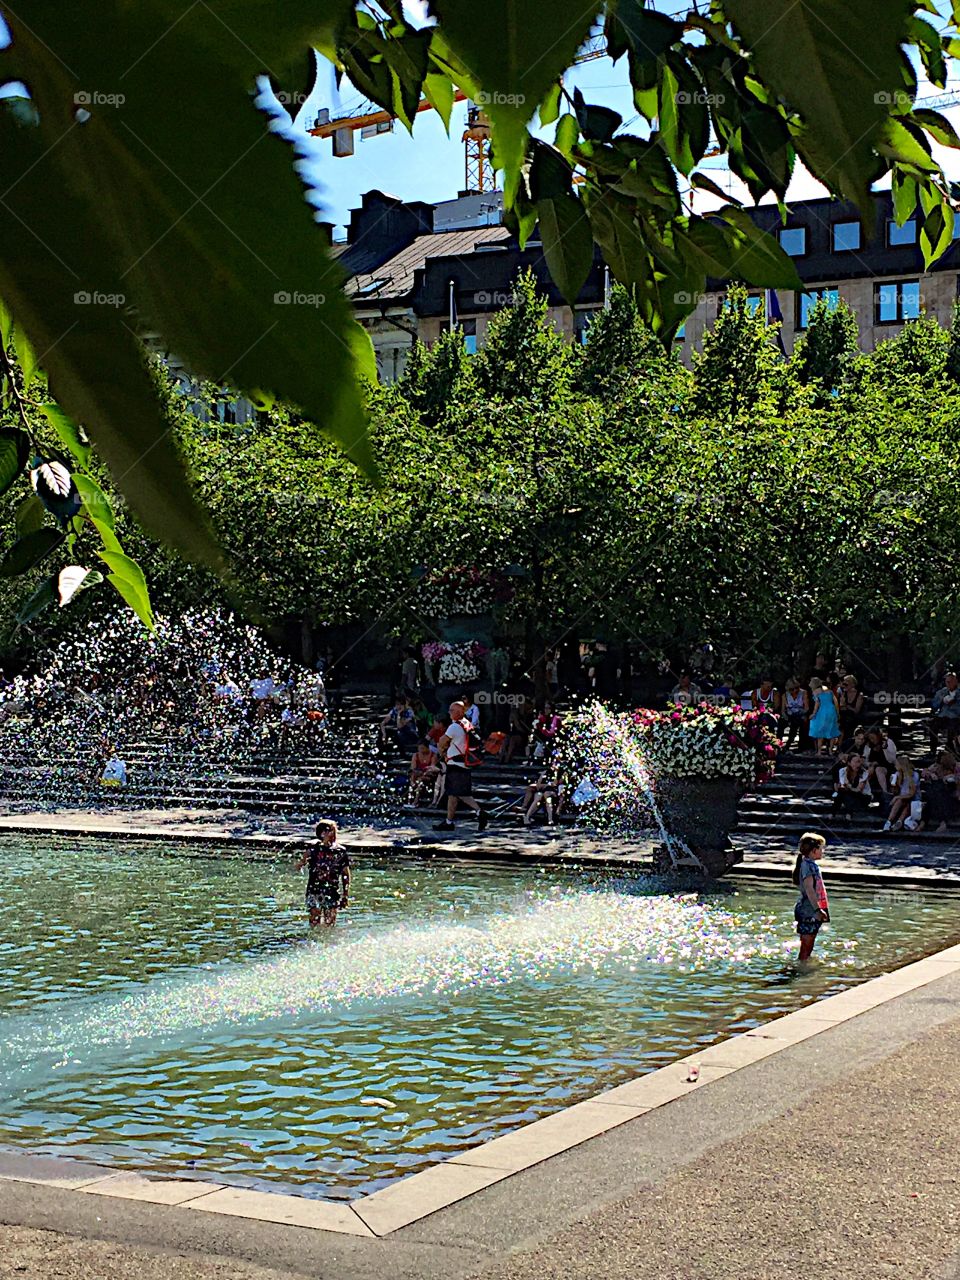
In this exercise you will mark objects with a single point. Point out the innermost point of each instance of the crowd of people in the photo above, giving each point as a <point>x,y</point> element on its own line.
<point>446,745</point>
<point>827,714</point>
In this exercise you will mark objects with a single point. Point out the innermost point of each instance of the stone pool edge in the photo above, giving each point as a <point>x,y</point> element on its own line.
<point>268,846</point>
<point>422,1194</point>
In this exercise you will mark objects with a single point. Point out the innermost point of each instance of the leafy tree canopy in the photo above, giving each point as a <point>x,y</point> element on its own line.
<point>148,191</point>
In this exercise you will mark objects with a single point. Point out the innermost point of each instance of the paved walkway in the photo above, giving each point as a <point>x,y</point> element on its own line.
<point>914,859</point>
<point>862,1185</point>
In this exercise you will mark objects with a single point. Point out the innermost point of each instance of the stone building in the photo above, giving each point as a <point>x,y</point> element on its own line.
<point>411,266</point>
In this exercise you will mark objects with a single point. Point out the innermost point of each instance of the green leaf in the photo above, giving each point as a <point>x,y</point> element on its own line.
<point>94,363</point>
<point>438,91</point>
<point>14,454</point>
<point>127,577</point>
<point>275,320</point>
<point>898,143</point>
<point>567,243</point>
<point>29,551</point>
<point>758,258</point>
<point>926,37</point>
<point>68,431</point>
<point>683,114</point>
<point>44,596</point>
<point>904,191</point>
<point>107,536</point>
<point>26,357</point>
<point>597,124</point>
<point>95,501</point>
<point>503,48</point>
<point>550,106</point>
<point>30,515</point>
<point>567,135</point>
<point>6,325</point>
<point>936,229</point>
<point>839,66</point>
<point>645,32</point>
<point>768,150</point>
<point>937,125</point>
<point>703,183</point>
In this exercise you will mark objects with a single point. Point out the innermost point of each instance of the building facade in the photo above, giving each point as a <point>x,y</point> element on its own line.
<point>412,267</point>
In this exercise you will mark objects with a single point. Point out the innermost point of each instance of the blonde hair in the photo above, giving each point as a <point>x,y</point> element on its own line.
<point>816,683</point>
<point>809,841</point>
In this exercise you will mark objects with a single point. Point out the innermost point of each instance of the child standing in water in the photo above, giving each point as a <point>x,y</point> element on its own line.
<point>328,879</point>
<point>812,908</point>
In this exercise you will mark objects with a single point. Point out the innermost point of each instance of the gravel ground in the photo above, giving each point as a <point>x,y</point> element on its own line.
<point>44,1255</point>
<point>864,1186</point>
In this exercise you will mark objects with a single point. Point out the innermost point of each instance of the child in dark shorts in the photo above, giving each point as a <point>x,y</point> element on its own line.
<point>328,878</point>
<point>812,909</point>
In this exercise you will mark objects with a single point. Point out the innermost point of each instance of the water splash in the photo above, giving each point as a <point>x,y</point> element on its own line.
<point>178,707</point>
<point>570,931</point>
<point>599,747</point>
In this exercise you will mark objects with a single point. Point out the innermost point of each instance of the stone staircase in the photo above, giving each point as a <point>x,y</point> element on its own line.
<point>359,781</point>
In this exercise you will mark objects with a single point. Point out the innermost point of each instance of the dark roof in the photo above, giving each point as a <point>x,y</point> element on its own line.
<point>397,272</point>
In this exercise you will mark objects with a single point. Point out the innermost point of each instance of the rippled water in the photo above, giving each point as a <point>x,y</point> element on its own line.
<point>173,1012</point>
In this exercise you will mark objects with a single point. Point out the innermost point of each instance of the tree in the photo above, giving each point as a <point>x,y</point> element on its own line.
<point>524,358</point>
<point>734,371</point>
<point>952,363</point>
<point>436,376</point>
<point>824,355</point>
<point>116,221</point>
<point>620,350</point>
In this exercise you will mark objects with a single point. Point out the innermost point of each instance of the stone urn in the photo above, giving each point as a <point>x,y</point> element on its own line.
<point>701,812</point>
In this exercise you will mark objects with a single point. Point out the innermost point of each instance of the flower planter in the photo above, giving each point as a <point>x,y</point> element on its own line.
<point>701,812</point>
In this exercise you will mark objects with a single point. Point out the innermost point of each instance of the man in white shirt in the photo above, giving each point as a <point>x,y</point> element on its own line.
<point>458,779</point>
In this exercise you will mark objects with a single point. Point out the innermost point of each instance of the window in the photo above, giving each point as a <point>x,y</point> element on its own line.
<point>846,236</point>
<point>581,323</point>
<point>793,240</point>
<point>374,286</point>
<point>806,301</point>
<point>897,301</point>
<point>469,330</point>
<point>907,234</point>
<point>755,302</point>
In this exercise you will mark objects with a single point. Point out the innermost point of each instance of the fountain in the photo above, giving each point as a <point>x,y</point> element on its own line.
<point>677,774</point>
<point>177,706</point>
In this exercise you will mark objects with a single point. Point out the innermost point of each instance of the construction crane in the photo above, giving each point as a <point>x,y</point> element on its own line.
<point>479,174</point>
